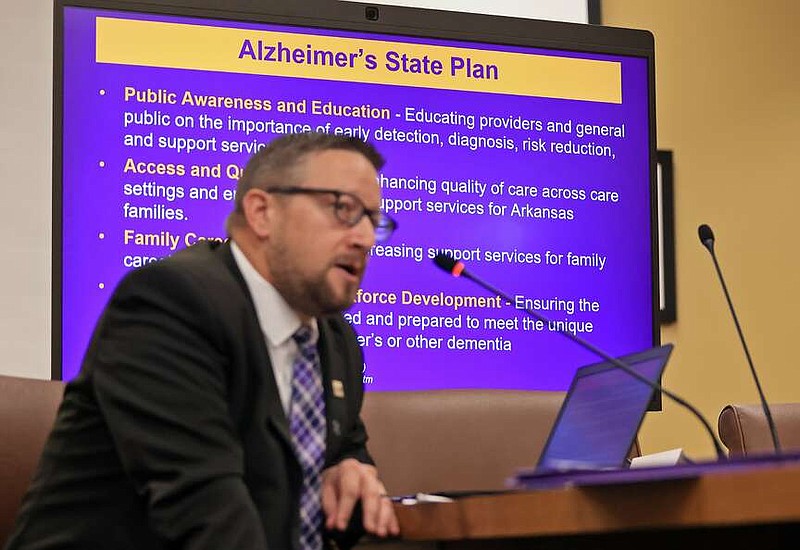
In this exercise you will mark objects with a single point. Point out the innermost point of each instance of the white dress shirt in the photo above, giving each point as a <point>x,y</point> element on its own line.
<point>278,323</point>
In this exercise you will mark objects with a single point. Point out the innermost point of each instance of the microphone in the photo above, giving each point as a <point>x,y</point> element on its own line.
<point>457,269</point>
<point>707,238</point>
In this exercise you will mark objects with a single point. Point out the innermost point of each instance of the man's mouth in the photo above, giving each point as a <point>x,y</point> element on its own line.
<point>353,268</point>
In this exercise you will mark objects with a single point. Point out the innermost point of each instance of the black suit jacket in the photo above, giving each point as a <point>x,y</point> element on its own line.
<point>173,434</point>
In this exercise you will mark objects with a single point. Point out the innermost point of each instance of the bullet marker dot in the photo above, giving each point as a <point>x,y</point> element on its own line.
<point>101,285</point>
<point>102,164</point>
<point>102,92</point>
<point>102,236</point>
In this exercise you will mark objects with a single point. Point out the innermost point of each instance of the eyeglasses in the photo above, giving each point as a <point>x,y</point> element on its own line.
<point>348,208</point>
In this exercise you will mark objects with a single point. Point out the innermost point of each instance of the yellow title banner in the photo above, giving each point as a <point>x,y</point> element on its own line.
<point>206,48</point>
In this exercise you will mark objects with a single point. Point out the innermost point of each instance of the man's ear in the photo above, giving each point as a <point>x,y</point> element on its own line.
<point>257,207</point>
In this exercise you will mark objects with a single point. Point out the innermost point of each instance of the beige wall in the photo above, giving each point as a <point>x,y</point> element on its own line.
<point>728,105</point>
<point>26,83</point>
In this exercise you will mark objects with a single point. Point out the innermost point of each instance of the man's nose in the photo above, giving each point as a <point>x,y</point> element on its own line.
<point>363,233</point>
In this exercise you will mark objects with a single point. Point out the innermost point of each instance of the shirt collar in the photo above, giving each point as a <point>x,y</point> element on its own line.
<point>277,318</point>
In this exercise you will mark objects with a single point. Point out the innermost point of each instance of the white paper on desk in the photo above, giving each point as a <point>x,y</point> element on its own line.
<point>425,497</point>
<point>664,458</point>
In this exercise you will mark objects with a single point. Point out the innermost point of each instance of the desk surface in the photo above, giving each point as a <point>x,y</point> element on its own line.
<point>758,496</point>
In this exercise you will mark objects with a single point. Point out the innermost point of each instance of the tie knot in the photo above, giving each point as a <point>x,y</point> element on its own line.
<point>303,336</point>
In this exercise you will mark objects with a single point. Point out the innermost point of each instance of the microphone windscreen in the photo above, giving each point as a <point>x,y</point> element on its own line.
<point>445,262</point>
<point>705,234</point>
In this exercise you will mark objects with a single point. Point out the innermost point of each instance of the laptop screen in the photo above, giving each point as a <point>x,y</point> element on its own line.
<point>602,412</point>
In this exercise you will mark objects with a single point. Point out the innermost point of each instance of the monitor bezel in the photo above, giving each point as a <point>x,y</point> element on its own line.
<point>350,16</point>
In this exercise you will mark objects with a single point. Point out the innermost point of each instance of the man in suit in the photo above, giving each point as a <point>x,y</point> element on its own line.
<point>218,405</point>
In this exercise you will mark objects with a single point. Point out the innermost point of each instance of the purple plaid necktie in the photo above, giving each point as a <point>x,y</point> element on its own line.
<point>307,425</point>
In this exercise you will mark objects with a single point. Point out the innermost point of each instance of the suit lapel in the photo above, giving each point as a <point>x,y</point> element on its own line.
<point>333,377</point>
<point>332,361</point>
<point>276,416</point>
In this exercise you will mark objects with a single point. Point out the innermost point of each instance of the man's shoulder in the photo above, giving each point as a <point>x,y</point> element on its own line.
<point>207,264</point>
<point>204,255</point>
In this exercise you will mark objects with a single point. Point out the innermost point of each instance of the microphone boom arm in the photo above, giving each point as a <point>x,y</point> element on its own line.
<point>707,238</point>
<point>457,270</point>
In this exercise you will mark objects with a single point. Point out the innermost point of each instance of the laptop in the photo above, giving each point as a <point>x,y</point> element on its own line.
<point>601,415</point>
<point>595,427</point>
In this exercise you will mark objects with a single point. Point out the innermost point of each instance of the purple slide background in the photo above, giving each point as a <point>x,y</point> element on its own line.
<point>93,202</point>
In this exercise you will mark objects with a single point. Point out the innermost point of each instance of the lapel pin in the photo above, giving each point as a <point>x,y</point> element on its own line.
<point>338,388</point>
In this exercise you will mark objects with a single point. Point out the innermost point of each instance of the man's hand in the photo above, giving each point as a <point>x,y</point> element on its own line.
<point>348,482</point>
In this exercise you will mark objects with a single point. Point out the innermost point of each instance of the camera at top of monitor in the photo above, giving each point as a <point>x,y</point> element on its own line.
<point>372,13</point>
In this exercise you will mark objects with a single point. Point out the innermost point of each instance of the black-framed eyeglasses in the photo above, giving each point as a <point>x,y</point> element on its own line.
<point>348,208</point>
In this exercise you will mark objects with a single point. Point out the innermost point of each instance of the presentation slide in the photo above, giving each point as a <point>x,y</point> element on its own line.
<point>530,165</point>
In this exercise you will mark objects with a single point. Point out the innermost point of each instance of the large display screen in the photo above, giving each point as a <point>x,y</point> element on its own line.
<point>533,165</point>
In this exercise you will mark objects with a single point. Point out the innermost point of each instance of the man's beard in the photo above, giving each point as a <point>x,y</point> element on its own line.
<point>311,296</point>
<point>316,297</point>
